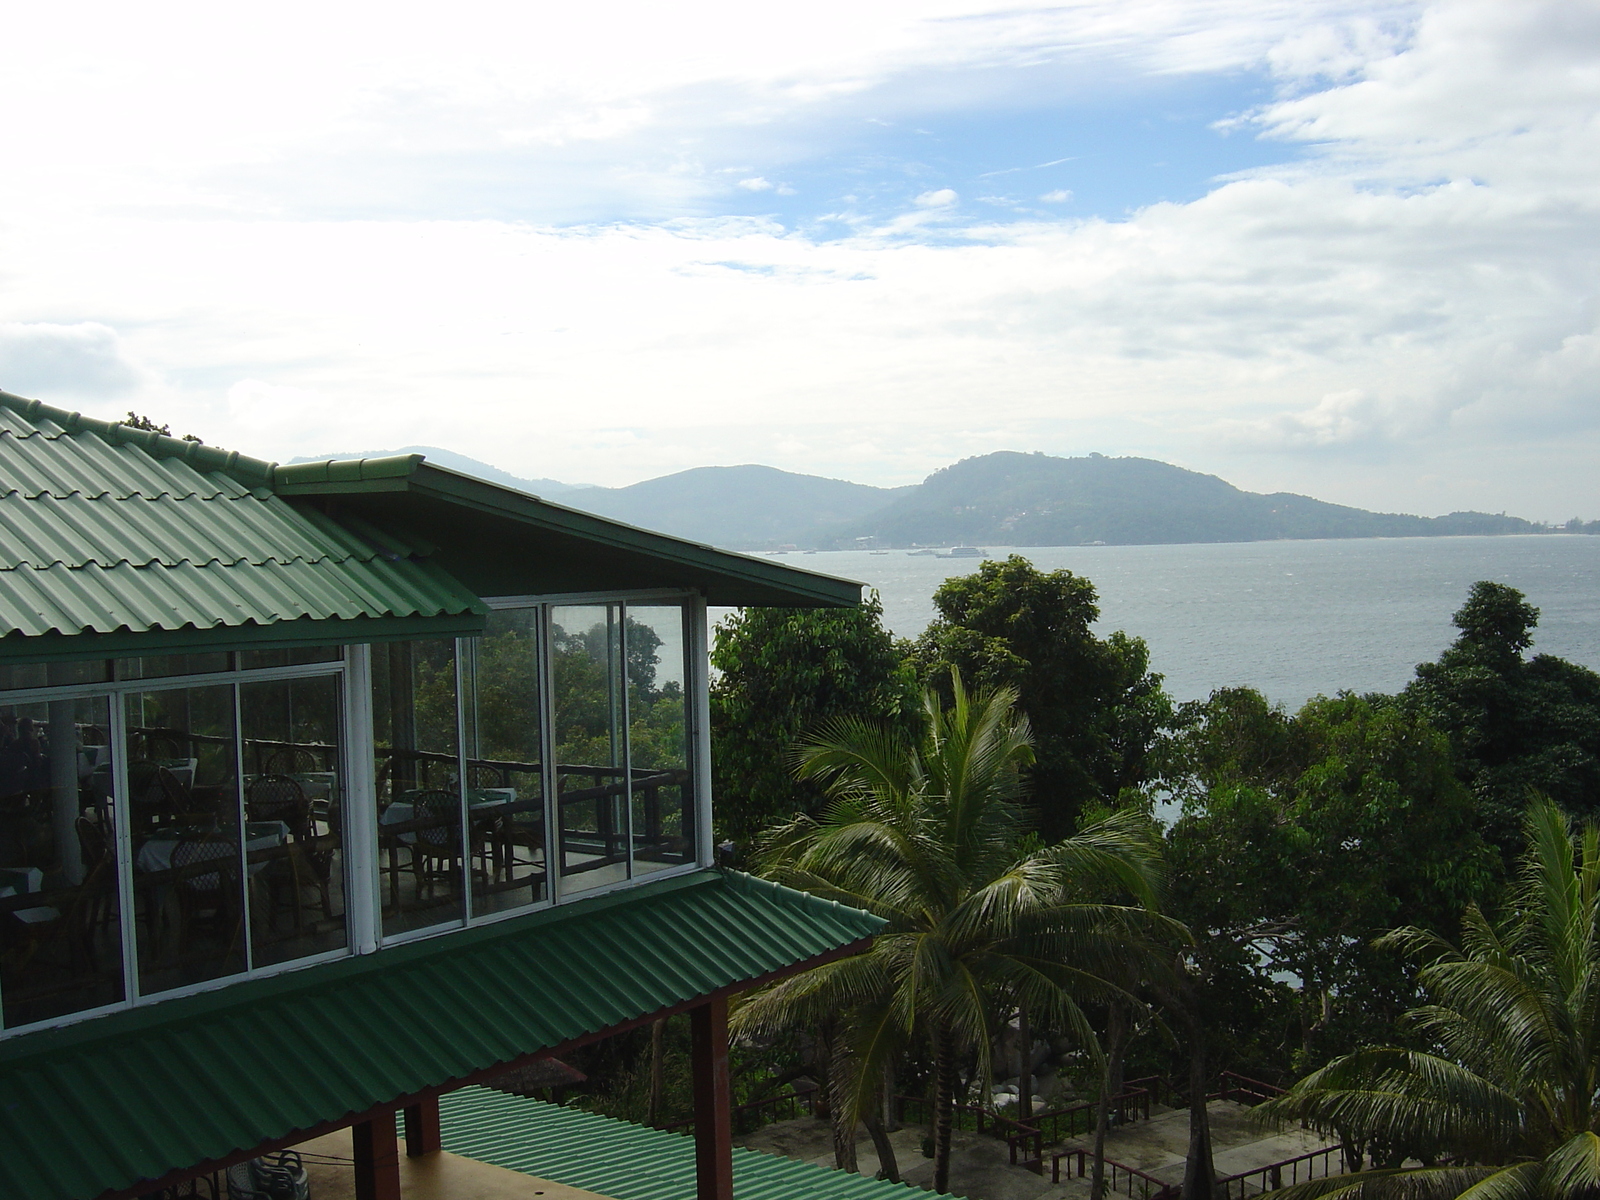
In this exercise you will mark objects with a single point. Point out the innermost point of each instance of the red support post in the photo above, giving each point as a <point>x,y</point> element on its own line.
<point>377,1155</point>
<point>422,1127</point>
<point>713,1117</point>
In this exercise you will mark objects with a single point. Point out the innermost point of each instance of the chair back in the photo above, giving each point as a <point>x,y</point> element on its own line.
<point>287,760</point>
<point>279,798</point>
<point>482,775</point>
<point>154,793</point>
<point>205,848</point>
<point>93,846</point>
<point>440,832</point>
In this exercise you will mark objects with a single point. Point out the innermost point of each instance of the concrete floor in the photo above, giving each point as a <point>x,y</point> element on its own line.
<point>442,1176</point>
<point>980,1166</point>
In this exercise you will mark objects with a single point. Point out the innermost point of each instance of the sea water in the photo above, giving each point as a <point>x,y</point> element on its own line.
<point>1293,619</point>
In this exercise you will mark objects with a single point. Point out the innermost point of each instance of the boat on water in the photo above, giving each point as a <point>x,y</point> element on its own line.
<point>920,554</point>
<point>965,552</point>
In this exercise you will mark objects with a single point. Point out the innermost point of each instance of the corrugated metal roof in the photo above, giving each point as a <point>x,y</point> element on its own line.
<point>625,1161</point>
<point>112,528</point>
<point>119,1099</point>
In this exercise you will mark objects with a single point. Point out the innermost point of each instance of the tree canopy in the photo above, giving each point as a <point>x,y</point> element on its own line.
<point>781,674</point>
<point>1517,724</point>
<point>1094,705</point>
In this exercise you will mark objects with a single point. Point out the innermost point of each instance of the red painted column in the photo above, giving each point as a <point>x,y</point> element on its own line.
<point>422,1127</point>
<point>713,1115</point>
<point>377,1155</point>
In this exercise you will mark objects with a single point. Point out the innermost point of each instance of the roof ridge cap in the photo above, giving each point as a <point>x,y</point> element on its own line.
<point>197,454</point>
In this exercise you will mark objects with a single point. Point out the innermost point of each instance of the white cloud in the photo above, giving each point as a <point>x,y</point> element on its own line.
<point>1059,196</point>
<point>40,359</point>
<point>755,184</point>
<point>1415,290</point>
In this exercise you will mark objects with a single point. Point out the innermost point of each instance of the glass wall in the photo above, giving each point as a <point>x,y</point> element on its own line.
<point>60,913</point>
<point>184,830</point>
<point>294,817</point>
<point>422,847</point>
<point>588,716</point>
<point>658,748</point>
<point>168,821</point>
<point>500,691</point>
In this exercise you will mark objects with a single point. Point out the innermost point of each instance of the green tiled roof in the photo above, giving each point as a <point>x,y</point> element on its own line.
<point>624,1161</point>
<point>115,1100</point>
<point>114,529</point>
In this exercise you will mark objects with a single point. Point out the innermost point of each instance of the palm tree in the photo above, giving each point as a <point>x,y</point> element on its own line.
<point>929,833</point>
<point>1510,1098</point>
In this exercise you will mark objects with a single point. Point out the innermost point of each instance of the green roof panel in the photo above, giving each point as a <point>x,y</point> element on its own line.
<point>114,529</point>
<point>625,1161</point>
<point>112,1101</point>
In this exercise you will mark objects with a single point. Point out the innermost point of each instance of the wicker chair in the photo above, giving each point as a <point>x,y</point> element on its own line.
<point>290,760</point>
<point>207,897</point>
<point>436,852</point>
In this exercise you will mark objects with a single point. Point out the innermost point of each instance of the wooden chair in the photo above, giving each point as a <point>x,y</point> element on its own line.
<point>155,796</point>
<point>207,897</point>
<point>436,852</point>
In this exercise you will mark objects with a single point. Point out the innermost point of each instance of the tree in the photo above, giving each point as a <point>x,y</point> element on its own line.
<point>928,833</point>
<point>782,673</point>
<point>1094,706</point>
<point>1508,1088</point>
<point>1302,838</point>
<point>1516,724</point>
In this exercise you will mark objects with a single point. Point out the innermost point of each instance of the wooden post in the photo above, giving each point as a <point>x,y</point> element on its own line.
<point>422,1127</point>
<point>713,1116</point>
<point>377,1155</point>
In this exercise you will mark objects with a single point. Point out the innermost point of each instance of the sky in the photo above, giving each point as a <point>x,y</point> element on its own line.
<point>1344,249</point>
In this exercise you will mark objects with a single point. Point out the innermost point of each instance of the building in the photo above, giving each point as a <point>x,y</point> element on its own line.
<point>328,789</point>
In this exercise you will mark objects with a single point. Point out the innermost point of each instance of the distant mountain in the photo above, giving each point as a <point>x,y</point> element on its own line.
<point>746,508</point>
<point>1002,499</point>
<point>1013,499</point>
<point>460,462</point>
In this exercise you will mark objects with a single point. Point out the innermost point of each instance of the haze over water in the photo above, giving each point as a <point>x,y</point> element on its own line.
<point>1291,618</point>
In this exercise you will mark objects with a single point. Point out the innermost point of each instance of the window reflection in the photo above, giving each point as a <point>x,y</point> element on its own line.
<point>587,725</point>
<point>505,775</point>
<point>293,804</point>
<point>422,850</point>
<point>60,943</point>
<point>663,792</point>
<point>187,837</point>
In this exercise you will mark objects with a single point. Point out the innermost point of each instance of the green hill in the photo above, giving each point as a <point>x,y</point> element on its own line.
<point>1016,499</point>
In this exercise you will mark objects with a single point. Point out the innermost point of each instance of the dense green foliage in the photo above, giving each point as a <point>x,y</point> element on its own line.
<point>1305,836</point>
<point>1517,724</point>
<point>782,673</point>
<point>926,832</point>
<point>1506,1088</point>
<point>1094,706</point>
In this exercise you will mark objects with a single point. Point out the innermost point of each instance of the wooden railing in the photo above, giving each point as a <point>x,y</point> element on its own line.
<point>1120,1178</point>
<point>1290,1171</point>
<point>1241,1089</point>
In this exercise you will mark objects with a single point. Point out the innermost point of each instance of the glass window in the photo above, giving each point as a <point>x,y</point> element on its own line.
<point>422,846</point>
<point>187,837</point>
<point>157,666</point>
<point>505,773</point>
<point>587,725</point>
<point>658,750</point>
<point>15,676</point>
<point>250,660</point>
<point>60,925</point>
<point>293,799</point>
